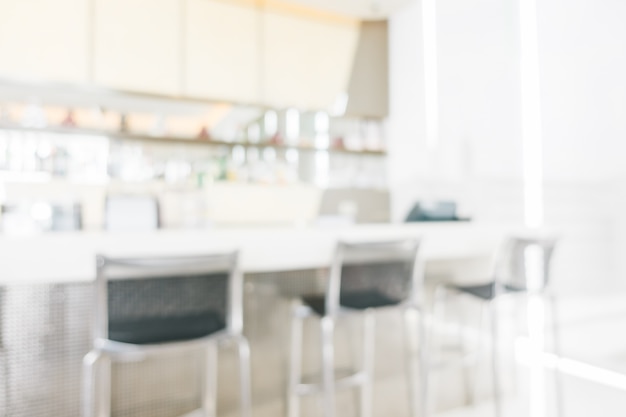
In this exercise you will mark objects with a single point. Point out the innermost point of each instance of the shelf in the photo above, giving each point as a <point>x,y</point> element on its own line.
<point>77,95</point>
<point>184,140</point>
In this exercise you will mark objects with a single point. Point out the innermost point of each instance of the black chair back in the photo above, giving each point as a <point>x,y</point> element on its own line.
<point>160,300</point>
<point>376,274</point>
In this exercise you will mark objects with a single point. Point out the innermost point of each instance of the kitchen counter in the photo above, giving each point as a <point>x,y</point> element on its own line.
<point>69,257</point>
<point>47,299</point>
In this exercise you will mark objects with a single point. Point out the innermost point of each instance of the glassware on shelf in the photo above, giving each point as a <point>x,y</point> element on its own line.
<point>159,126</point>
<point>177,171</point>
<point>34,116</point>
<point>254,133</point>
<point>286,145</point>
<point>237,170</point>
<point>292,126</point>
<point>270,125</point>
<point>322,130</point>
<point>373,135</point>
<point>286,167</point>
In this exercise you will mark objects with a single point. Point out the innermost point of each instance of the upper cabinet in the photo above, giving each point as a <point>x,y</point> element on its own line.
<point>138,45</point>
<point>248,51</point>
<point>44,40</point>
<point>222,50</point>
<point>307,60</point>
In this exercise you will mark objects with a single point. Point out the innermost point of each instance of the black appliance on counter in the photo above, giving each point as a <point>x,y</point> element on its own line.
<point>437,211</point>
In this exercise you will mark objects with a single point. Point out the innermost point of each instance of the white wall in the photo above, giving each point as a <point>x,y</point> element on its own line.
<point>584,88</point>
<point>479,121</point>
<point>478,160</point>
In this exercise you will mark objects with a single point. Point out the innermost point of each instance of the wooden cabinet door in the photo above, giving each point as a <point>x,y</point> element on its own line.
<point>222,50</point>
<point>44,40</point>
<point>307,60</point>
<point>138,45</point>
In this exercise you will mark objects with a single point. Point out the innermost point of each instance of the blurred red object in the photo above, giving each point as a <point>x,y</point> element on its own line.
<point>276,139</point>
<point>69,120</point>
<point>338,143</point>
<point>204,134</point>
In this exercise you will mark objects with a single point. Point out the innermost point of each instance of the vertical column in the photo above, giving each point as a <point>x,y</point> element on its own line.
<point>531,115</point>
<point>429,24</point>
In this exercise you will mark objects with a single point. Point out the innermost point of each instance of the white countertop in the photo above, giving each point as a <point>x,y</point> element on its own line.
<point>70,257</point>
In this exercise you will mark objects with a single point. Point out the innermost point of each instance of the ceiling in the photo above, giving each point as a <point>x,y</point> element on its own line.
<point>361,9</point>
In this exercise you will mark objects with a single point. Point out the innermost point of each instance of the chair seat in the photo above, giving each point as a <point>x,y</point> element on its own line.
<point>484,291</point>
<point>160,330</point>
<point>359,300</point>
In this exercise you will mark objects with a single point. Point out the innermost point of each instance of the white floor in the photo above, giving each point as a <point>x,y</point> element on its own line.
<point>593,366</point>
<point>581,399</point>
<point>593,374</point>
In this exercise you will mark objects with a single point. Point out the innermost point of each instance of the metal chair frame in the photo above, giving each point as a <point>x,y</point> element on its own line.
<point>489,308</point>
<point>4,364</point>
<point>96,385</point>
<point>363,378</point>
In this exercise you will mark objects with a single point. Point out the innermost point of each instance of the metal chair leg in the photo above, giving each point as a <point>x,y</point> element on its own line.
<point>497,401</point>
<point>328,365</point>
<point>417,366</point>
<point>209,381</point>
<point>369,341</point>
<point>424,363</point>
<point>480,348</point>
<point>467,368</point>
<point>433,343</point>
<point>555,328</point>
<point>88,388</point>
<point>410,349</point>
<point>96,385</point>
<point>244,376</point>
<point>4,375</point>
<point>295,364</point>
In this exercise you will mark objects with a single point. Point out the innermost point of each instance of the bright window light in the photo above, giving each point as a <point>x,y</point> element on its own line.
<point>527,355</point>
<point>270,123</point>
<point>429,24</point>
<point>322,126</point>
<point>292,125</point>
<point>531,116</point>
<point>533,185</point>
<point>269,154</point>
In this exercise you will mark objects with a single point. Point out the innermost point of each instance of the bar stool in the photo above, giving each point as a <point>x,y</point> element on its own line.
<point>363,277</point>
<point>521,268</point>
<point>148,306</point>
